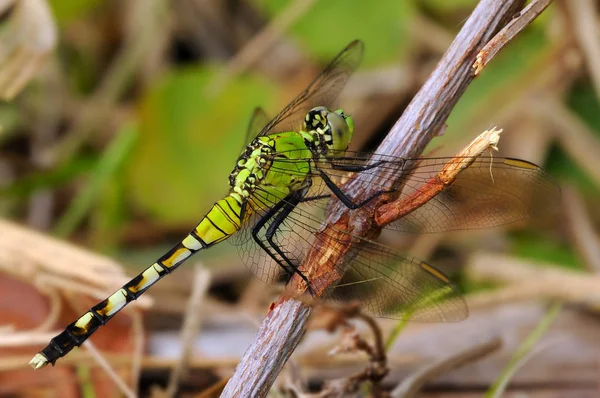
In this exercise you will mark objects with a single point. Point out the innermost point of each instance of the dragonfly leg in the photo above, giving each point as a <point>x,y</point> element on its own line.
<point>313,198</point>
<point>287,208</point>
<point>359,167</point>
<point>273,214</point>
<point>345,199</point>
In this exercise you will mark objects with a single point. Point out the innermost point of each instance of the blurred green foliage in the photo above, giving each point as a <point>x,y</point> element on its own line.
<point>544,249</point>
<point>499,82</point>
<point>329,25</point>
<point>583,99</point>
<point>189,142</point>
<point>444,6</point>
<point>104,171</point>
<point>65,11</point>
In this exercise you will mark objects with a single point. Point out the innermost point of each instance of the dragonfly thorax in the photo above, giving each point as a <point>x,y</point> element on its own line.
<point>251,166</point>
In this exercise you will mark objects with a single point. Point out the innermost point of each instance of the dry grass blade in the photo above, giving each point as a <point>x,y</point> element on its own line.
<point>575,136</point>
<point>260,43</point>
<point>413,383</point>
<point>587,31</point>
<point>522,353</point>
<point>109,370</point>
<point>119,75</point>
<point>531,281</point>
<point>57,264</point>
<point>28,37</point>
<point>191,326</point>
<point>581,229</point>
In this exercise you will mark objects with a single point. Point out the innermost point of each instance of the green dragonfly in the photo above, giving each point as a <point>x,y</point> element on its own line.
<point>291,171</point>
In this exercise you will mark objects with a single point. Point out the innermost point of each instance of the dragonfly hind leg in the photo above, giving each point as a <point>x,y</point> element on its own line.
<point>274,217</point>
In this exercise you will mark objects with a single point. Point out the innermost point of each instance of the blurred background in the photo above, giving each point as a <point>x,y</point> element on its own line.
<point>122,120</point>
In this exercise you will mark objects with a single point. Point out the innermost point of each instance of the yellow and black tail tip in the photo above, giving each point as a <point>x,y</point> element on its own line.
<point>59,346</point>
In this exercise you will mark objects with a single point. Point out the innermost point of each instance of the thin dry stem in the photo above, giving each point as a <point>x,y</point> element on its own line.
<point>98,107</point>
<point>582,231</point>
<point>261,43</point>
<point>576,138</point>
<point>110,371</point>
<point>53,313</point>
<point>191,326</point>
<point>351,341</point>
<point>587,31</point>
<point>513,28</point>
<point>413,383</point>
<point>532,281</point>
<point>390,212</point>
<point>138,350</point>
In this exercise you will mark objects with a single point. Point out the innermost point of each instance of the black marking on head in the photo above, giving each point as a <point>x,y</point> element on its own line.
<point>316,118</point>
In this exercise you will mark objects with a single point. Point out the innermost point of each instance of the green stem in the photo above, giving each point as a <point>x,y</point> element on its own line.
<point>525,348</point>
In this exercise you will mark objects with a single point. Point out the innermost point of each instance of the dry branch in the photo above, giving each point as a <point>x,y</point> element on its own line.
<point>423,119</point>
<point>390,212</point>
<point>509,32</point>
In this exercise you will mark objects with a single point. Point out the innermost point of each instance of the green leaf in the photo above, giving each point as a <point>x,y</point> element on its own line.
<point>189,142</point>
<point>329,25</point>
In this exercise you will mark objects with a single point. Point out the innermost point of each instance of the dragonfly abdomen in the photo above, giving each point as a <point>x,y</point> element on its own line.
<point>221,221</point>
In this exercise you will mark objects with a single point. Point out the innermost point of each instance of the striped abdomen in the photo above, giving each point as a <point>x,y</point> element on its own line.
<point>220,222</point>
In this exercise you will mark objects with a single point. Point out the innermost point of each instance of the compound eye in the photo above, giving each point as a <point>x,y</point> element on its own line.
<point>341,133</point>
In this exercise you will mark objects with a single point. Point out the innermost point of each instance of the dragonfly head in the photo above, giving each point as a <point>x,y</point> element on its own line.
<point>335,128</point>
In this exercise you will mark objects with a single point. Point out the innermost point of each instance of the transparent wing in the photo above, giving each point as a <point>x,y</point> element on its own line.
<point>492,191</point>
<point>253,246</point>
<point>321,92</point>
<point>258,120</point>
<point>391,285</point>
<point>387,284</point>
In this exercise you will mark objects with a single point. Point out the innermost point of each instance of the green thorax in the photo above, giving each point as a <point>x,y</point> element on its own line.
<point>280,163</point>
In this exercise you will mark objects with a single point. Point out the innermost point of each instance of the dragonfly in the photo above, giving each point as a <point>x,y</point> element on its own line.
<point>282,187</point>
